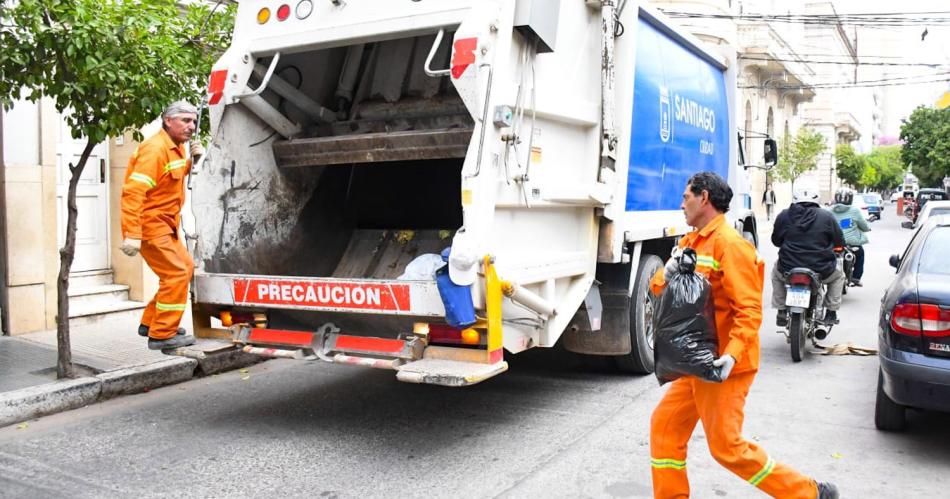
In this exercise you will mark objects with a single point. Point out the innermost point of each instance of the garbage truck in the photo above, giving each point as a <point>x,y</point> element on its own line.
<point>424,185</point>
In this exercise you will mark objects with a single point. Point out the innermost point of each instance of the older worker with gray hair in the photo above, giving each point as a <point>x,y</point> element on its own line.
<point>152,196</point>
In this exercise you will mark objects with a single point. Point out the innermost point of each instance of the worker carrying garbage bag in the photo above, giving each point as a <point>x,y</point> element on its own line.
<point>736,274</point>
<point>685,324</point>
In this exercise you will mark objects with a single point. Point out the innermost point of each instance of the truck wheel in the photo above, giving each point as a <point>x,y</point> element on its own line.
<point>888,415</point>
<point>642,303</point>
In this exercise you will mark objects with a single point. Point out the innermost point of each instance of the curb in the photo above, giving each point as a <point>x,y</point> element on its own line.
<point>63,395</point>
<point>58,396</point>
<point>137,378</point>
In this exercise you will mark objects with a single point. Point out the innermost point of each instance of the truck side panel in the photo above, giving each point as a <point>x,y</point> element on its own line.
<point>681,121</point>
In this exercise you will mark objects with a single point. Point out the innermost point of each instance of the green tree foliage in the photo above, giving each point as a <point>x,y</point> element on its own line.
<point>109,66</point>
<point>799,155</point>
<point>926,136</point>
<point>850,165</point>
<point>881,170</point>
<point>886,162</point>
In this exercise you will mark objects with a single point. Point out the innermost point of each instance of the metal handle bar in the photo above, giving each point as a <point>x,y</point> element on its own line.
<point>264,82</point>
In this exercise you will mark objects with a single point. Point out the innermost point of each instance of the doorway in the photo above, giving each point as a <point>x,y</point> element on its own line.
<point>92,201</point>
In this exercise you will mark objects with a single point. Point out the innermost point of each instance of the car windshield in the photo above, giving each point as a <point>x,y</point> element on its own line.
<point>934,253</point>
<point>870,199</point>
<point>939,211</point>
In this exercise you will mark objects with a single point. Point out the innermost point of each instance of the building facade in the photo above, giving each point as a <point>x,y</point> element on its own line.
<point>37,149</point>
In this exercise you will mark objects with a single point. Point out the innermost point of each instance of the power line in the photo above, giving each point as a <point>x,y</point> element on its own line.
<point>852,63</point>
<point>845,86</point>
<point>857,20</point>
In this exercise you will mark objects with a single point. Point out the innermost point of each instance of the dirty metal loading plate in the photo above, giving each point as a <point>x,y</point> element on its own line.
<point>373,147</point>
<point>448,372</point>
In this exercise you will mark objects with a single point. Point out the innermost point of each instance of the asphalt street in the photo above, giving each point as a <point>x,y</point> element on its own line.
<point>555,425</point>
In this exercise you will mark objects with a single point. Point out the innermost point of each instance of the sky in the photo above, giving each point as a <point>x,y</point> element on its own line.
<point>905,45</point>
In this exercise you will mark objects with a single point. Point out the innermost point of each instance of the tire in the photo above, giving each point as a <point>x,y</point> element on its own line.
<point>640,358</point>
<point>888,415</point>
<point>796,333</point>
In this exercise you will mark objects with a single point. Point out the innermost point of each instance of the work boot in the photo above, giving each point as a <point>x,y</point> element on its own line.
<point>176,341</point>
<point>827,490</point>
<point>781,318</point>
<point>143,331</point>
<point>831,317</point>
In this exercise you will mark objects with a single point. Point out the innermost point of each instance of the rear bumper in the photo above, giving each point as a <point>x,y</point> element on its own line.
<point>916,380</point>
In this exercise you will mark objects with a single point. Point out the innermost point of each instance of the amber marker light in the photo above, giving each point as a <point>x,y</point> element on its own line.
<point>263,15</point>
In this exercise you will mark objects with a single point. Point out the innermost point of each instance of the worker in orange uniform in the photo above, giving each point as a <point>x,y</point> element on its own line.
<point>152,197</point>
<point>736,274</point>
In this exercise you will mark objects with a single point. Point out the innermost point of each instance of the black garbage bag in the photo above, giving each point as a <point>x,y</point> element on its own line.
<point>684,325</point>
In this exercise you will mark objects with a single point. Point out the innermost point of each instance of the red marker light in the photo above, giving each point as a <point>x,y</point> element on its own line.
<point>283,12</point>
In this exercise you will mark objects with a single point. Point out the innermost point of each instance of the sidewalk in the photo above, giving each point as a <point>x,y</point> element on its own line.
<point>110,358</point>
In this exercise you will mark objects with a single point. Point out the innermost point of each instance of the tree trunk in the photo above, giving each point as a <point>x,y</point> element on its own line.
<point>64,358</point>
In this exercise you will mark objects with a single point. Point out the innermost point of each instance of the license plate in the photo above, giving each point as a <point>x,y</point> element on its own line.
<point>798,297</point>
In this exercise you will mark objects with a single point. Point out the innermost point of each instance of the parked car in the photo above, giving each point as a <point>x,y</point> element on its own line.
<point>874,199</point>
<point>914,329</point>
<point>933,208</point>
<point>894,196</point>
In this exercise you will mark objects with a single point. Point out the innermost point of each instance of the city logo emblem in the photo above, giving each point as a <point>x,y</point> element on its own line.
<point>665,115</point>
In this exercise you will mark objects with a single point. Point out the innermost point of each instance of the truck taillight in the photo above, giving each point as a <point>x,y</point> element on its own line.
<point>283,12</point>
<point>263,15</point>
<point>441,333</point>
<point>229,318</point>
<point>925,319</point>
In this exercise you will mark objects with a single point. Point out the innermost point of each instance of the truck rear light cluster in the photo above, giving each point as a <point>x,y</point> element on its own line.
<point>441,333</point>
<point>303,10</point>
<point>925,319</point>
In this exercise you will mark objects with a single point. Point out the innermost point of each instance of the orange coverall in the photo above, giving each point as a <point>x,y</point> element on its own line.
<point>152,197</point>
<point>736,274</point>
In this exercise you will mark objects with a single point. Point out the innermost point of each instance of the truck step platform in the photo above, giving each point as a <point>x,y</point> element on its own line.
<point>448,372</point>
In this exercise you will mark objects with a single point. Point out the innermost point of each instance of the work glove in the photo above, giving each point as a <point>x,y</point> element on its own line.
<point>197,151</point>
<point>673,264</point>
<point>131,247</point>
<point>725,365</point>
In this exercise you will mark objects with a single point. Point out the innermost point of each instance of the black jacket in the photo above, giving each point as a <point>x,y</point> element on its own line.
<point>806,236</point>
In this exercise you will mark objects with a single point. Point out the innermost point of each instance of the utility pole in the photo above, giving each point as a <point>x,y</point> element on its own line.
<point>4,299</point>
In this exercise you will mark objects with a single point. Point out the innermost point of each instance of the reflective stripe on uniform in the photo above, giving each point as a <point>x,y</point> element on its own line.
<point>764,472</point>
<point>707,261</point>
<point>143,178</point>
<point>668,463</point>
<point>170,306</point>
<point>174,165</point>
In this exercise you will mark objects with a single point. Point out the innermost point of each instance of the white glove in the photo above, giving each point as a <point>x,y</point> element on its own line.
<point>725,365</point>
<point>197,150</point>
<point>131,247</point>
<point>672,265</point>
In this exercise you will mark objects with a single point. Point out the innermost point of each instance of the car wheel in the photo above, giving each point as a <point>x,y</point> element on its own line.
<point>888,415</point>
<point>642,303</point>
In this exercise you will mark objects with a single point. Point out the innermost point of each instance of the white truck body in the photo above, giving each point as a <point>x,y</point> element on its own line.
<point>559,150</point>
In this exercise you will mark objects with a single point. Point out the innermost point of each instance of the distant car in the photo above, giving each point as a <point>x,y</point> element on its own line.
<point>933,208</point>
<point>895,196</point>
<point>866,209</point>
<point>874,199</point>
<point>914,329</point>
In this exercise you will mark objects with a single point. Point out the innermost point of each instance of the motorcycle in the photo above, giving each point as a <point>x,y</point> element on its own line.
<point>846,259</point>
<point>804,300</point>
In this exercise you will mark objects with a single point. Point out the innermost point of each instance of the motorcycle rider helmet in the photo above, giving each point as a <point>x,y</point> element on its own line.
<point>844,196</point>
<point>805,195</point>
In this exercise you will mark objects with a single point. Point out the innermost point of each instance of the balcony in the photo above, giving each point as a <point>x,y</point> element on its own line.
<point>766,54</point>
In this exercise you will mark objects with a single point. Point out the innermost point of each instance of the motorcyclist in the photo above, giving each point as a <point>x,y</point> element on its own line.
<point>806,236</point>
<point>854,226</point>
